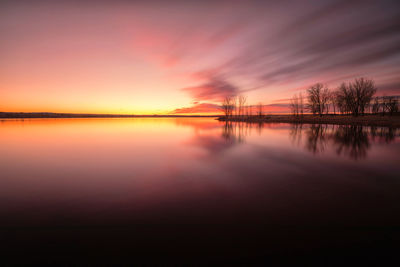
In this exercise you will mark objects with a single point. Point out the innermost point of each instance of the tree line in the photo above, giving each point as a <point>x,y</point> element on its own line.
<point>355,98</point>
<point>236,106</point>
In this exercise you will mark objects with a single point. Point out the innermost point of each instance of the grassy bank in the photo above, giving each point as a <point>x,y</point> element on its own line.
<point>367,120</point>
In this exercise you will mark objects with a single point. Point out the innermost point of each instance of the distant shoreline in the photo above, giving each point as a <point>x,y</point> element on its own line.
<point>49,115</point>
<point>366,120</point>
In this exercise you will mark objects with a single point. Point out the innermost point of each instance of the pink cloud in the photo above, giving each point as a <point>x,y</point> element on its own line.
<point>202,108</point>
<point>215,90</point>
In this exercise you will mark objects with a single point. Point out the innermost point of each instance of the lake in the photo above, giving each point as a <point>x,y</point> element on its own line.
<point>174,189</point>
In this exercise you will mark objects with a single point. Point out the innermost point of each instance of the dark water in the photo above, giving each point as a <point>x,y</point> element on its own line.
<point>199,191</point>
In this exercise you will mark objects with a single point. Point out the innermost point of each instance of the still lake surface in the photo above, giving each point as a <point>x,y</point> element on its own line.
<point>197,187</point>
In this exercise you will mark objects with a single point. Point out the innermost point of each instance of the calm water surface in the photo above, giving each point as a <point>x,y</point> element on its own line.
<point>197,187</point>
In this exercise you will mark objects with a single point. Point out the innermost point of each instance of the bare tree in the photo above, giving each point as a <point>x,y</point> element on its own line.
<point>228,106</point>
<point>293,108</point>
<point>301,104</point>
<point>376,106</point>
<point>344,99</point>
<point>339,100</point>
<point>295,105</point>
<point>242,103</point>
<point>362,90</point>
<point>332,100</point>
<point>389,104</point>
<point>235,106</point>
<point>355,97</point>
<point>260,109</point>
<point>249,110</point>
<point>383,106</point>
<point>318,96</point>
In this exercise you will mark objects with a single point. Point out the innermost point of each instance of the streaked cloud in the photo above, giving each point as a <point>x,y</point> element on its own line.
<point>214,89</point>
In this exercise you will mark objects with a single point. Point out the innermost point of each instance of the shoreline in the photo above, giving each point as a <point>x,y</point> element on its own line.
<point>366,120</point>
<point>49,115</point>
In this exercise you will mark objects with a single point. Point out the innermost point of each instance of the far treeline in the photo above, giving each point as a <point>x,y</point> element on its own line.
<point>354,98</point>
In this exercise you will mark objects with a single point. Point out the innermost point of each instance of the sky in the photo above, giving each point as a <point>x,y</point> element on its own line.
<point>184,57</point>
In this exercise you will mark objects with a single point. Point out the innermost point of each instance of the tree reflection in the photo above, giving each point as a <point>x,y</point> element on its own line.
<point>351,140</point>
<point>235,131</point>
<point>296,133</point>
<point>316,138</point>
<point>227,131</point>
<point>383,134</point>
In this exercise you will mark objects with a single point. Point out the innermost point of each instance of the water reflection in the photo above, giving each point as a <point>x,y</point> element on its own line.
<point>153,180</point>
<point>352,141</point>
<point>383,135</point>
<point>236,132</point>
<point>316,138</point>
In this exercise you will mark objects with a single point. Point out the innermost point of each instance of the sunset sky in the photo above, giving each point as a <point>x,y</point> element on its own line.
<point>184,57</point>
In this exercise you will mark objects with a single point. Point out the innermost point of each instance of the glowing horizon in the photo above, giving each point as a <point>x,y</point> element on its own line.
<point>185,57</point>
